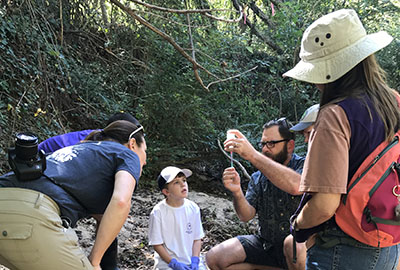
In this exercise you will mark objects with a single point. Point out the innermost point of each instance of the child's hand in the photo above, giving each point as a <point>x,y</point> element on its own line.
<point>174,264</point>
<point>195,263</point>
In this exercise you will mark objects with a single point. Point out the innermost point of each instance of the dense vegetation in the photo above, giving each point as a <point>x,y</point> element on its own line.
<point>67,65</point>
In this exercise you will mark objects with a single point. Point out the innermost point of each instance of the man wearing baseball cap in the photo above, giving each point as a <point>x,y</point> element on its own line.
<point>175,229</point>
<point>306,123</point>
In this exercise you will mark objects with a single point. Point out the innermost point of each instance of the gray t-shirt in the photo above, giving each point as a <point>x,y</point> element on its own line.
<point>84,174</point>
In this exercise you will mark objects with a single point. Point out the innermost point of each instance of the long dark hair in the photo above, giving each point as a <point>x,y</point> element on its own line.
<point>118,131</point>
<point>367,78</point>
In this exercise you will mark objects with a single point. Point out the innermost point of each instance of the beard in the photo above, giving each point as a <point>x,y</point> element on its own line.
<point>281,156</point>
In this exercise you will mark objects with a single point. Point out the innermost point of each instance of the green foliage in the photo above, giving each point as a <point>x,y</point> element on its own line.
<point>57,79</point>
<point>384,16</point>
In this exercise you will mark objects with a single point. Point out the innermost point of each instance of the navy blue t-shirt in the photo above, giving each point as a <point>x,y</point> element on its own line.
<point>84,174</point>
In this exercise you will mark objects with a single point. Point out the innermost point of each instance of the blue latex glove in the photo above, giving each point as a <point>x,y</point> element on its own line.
<point>195,263</point>
<point>174,264</point>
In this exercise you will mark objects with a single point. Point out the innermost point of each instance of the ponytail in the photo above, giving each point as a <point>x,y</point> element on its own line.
<point>117,131</point>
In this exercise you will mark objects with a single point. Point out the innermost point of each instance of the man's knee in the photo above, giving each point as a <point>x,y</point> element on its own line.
<point>211,259</point>
<point>214,257</point>
<point>301,253</point>
<point>217,258</point>
<point>288,246</point>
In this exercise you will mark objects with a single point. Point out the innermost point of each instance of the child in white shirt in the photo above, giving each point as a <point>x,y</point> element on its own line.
<point>175,229</point>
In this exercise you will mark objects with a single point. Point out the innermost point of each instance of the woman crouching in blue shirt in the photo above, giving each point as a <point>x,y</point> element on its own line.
<point>93,178</point>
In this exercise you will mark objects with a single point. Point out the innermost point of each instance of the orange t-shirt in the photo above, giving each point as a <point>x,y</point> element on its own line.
<point>327,162</point>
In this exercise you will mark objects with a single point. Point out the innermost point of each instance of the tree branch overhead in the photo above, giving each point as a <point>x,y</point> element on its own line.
<point>191,58</point>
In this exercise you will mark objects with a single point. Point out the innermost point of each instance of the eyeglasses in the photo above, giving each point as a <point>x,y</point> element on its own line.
<point>270,144</point>
<point>135,131</point>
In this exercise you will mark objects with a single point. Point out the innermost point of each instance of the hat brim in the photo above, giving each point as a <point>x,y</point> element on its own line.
<point>301,126</point>
<point>186,172</point>
<point>341,62</point>
<point>162,181</point>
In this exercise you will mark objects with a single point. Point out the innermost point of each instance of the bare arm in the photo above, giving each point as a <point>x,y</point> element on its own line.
<point>320,208</point>
<point>242,207</point>
<point>280,175</point>
<point>114,216</point>
<point>196,247</point>
<point>162,251</point>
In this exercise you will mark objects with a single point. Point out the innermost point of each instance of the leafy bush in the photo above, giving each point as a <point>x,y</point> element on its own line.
<point>57,79</point>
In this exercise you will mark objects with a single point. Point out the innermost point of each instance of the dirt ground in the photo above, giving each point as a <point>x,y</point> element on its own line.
<point>218,218</point>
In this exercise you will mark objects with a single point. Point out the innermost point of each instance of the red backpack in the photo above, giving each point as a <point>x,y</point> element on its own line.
<point>367,211</point>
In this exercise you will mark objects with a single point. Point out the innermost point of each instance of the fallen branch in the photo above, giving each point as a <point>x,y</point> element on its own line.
<point>242,168</point>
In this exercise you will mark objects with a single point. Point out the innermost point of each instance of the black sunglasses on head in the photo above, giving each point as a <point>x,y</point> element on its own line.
<point>283,122</point>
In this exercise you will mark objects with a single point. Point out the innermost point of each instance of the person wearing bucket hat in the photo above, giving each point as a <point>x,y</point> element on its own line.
<point>306,123</point>
<point>175,229</point>
<point>358,111</point>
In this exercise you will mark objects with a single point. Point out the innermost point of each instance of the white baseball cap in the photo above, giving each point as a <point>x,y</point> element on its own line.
<point>169,173</point>
<point>307,119</point>
<point>333,45</point>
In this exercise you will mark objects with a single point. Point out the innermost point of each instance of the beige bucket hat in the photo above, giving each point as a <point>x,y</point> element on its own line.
<point>333,45</point>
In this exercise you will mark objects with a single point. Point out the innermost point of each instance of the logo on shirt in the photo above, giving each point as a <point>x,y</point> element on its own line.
<point>189,228</point>
<point>65,154</point>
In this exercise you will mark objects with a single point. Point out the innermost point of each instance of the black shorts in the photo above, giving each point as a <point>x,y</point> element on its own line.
<point>260,252</point>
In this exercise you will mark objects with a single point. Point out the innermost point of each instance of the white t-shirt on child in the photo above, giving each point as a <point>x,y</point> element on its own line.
<point>176,228</point>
